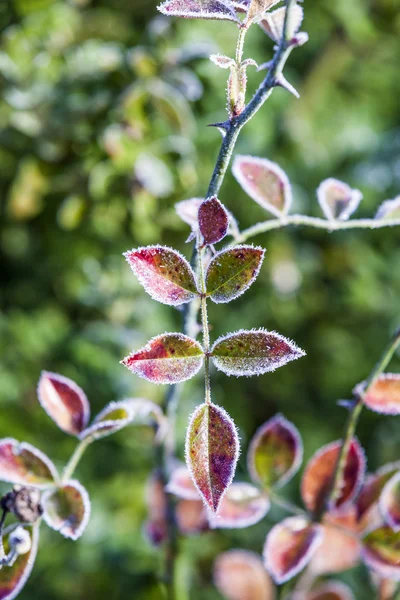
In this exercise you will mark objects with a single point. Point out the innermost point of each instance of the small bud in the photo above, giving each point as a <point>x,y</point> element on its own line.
<point>20,541</point>
<point>24,503</point>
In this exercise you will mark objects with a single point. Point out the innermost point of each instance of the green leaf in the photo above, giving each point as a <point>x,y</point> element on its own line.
<point>67,509</point>
<point>381,552</point>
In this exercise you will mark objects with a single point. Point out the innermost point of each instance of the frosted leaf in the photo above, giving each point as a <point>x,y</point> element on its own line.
<point>202,9</point>
<point>231,272</point>
<point>337,199</point>
<point>241,6</point>
<point>188,211</point>
<point>257,8</point>
<point>13,578</point>
<point>191,516</point>
<point>273,23</point>
<point>164,273</point>
<point>213,220</point>
<point>168,358</point>
<point>240,575</point>
<point>64,401</point>
<point>212,451</point>
<point>383,396</point>
<point>224,62</point>
<point>318,476</point>
<point>370,492</point>
<point>243,505</point>
<point>253,352</point>
<point>290,546</point>
<point>275,452</point>
<point>389,502</point>
<point>21,463</point>
<point>381,552</point>
<point>331,590</point>
<point>67,509</point>
<point>390,209</point>
<point>181,484</point>
<point>265,182</point>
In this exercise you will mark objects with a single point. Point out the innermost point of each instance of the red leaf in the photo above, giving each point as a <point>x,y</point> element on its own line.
<point>383,396</point>
<point>243,505</point>
<point>67,509</point>
<point>290,546</point>
<point>265,182</point>
<point>331,590</point>
<point>240,575</point>
<point>21,463</point>
<point>212,451</point>
<point>318,476</point>
<point>164,273</point>
<point>168,358</point>
<point>203,9</point>
<point>13,579</point>
<point>389,502</point>
<point>381,552</point>
<point>275,452</point>
<point>213,220</point>
<point>337,199</point>
<point>64,401</point>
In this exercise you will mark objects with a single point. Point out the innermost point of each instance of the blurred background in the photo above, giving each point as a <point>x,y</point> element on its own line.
<point>104,110</point>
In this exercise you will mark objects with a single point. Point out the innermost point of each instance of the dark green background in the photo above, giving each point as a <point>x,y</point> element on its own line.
<point>92,90</point>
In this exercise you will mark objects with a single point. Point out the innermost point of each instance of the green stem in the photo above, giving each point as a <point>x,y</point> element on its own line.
<point>73,462</point>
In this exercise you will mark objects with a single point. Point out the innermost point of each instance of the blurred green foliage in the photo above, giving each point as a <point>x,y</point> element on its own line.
<point>103,126</point>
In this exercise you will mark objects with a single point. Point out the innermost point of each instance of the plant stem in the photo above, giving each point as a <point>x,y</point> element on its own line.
<point>73,462</point>
<point>285,504</point>
<point>315,222</point>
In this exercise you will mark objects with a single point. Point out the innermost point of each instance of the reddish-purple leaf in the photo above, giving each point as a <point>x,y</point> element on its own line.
<point>381,552</point>
<point>390,209</point>
<point>67,509</point>
<point>290,546</point>
<point>23,464</point>
<point>13,578</point>
<point>318,477</point>
<point>273,23</point>
<point>202,9</point>
<point>383,396</point>
<point>164,273</point>
<point>256,8</point>
<point>275,452</point>
<point>64,401</point>
<point>253,352</point>
<point>191,516</point>
<point>213,220</point>
<point>370,492</point>
<point>181,484</point>
<point>243,505</point>
<point>389,502</point>
<point>240,575</point>
<point>331,590</point>
<point>231,272</point>
<point>337,199</point>
<point>265,182</point>
<point>212,451</point>
<point>168,358</point>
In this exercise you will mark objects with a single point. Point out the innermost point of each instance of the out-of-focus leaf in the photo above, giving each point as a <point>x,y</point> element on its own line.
<point>258,7</point>
<point>223,62</point>
<point>290,546</point>
<point>213,220</point>
<point>181,484</point>
<point>337,199</point>
<point>191,516</point>
<point>383,396</point>
<point>168,358</point>
<point>370,492</point>
<point>240,575</point>
<point>156,528</point>
<point>331,590</point>
<point>64,401</point>
<point>164,273</point>
<point>273,23</point>
<point>212,451</point>
<point>389,502</point>
<point>154,175</point>
<point>23,464</point>
<point>390,209</point>
<point>13,578</point>
<point>253,352</point>
<point>275,452</point>
<point>243,505</point>
<point>381,552</point>
<point>67,509</point>
<point>202,9</point>
<point>265,182</point>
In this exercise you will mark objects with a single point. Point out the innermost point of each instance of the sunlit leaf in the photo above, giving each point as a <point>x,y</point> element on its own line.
<point>164,273</point>
<point>168,358</point>
<point>203,9</point>
<point>231,272</point>
<point>390,209</point>
<point>383,396</point>
<point>258,7</point>
<point>337,199</point>
<point>13,579</point>
<point>212,451</point>
<point>188,211</point>
<point>67,509</point>
<point>275,452</point>
<point>243,505</point>
<point>370,492</point>
<point>181,484</point>
<point>191,516</point>
<point>223,62</point>
<point>213,220</point>
<point>64,401</point>
<point>273,23</point>
<point>240,575</point>
<point>290,546</point>
<point>318,477</point>
<point>381,552</point>
<point>331,590</point>
<point>253,352</point>
<point>389,502</point>
<point>265,182</point>
<point>23,464</point>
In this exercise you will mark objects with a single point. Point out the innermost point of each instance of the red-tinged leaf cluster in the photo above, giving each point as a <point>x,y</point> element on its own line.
<point>213,220</point>
<point>201,9</point>
<point>164,273</point>
<point>168,358</point>
<point>21,463</point>
<point>273,23</point>
<point>243,505</point>
<point>255,352</point>
<point>67,509</point>
<point>13,578</point>
<point>289,547</point>
<point>212,451</point>
<point>383,396</point>
<point>338,200</point>
<point>265,182</point>
<point>240,575</point>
